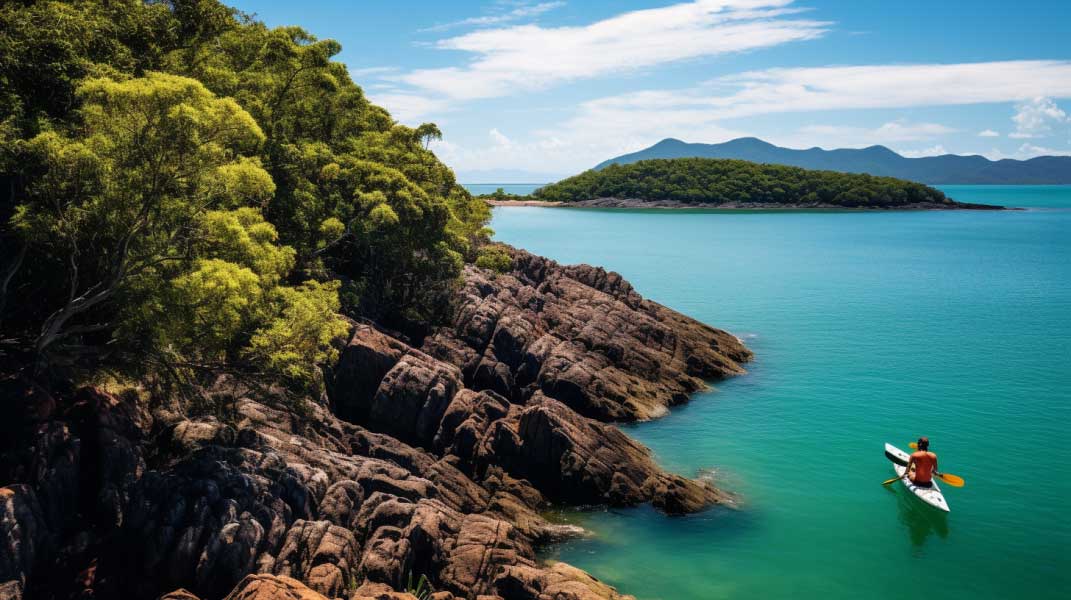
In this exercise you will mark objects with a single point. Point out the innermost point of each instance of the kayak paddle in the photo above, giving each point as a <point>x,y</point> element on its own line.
<point>888,481</point>
<point>952,480</point>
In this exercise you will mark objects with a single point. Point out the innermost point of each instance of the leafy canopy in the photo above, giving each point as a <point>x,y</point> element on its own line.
<point>183,183</point>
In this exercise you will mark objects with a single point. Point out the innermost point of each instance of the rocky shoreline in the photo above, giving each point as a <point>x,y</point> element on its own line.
<point>671,204</point>
<point>430,459</point>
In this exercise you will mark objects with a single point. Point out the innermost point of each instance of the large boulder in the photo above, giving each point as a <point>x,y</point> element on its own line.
<point>272,587</point>
<point>363,363</point>
<point>24,536</point>
<point>319,553</point>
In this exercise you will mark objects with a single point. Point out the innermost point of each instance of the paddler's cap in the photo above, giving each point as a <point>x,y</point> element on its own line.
<point>924,442</point>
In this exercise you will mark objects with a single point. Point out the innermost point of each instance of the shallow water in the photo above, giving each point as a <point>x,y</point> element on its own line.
<point>867,327</point>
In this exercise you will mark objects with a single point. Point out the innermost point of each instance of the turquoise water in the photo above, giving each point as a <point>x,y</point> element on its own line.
<point>867,327</point>
<point>1032,196</point>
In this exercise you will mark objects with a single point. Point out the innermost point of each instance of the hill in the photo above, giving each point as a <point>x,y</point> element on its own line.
<point>875,160</point>
<point>739,184</point>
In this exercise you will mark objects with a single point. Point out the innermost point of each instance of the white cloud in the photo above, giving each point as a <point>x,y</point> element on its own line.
<point>408,108</point>
<point>988,133</point>
<point>529,57</point>
<point>574,150</point>
<point>1029,150</point>
<point>856,87</point>
<point>1036,118</point>
<point>1024,152</point>
<point>931,151</point>
<point>521,11</point>
<point>499,139</point>
<point>897,131</point>
<point>842,135</point>
<point>363,72</point>
<point>607,127</point>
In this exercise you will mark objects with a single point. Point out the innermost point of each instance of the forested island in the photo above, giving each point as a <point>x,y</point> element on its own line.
<point>255,342</point>
<point>875,160</point>
<point>726,183</point>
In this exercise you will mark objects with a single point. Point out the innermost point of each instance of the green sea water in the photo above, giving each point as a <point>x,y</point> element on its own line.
<point>867,328</point>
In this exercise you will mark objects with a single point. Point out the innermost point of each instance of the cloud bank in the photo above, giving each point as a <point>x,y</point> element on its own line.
<point>711,112</point>
<point>523,58</point>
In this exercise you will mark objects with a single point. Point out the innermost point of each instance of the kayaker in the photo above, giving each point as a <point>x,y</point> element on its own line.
<point>923,464</point>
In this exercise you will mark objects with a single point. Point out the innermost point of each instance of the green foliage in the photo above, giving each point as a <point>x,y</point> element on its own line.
<point>243,236</point>
<point>171,171</point>
<point>359,196</point>
<point>494,258</point>
<point>300,336</point>
<point>201,312</point>
<point>716,181</point>
<point>119,197</point>
<point>126,201</point>
<point>422,590</point>
<point>500,195</point>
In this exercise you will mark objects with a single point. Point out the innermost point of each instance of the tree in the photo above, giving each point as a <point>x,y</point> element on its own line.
<point>173,169</point>
<point>118,197</point>
<point>428,132</point>
<point>359,197</point>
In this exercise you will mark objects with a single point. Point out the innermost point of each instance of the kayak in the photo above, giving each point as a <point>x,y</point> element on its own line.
<point>930,495</point>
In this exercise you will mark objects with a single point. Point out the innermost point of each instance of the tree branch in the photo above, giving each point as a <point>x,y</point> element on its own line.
<point>8,276</point>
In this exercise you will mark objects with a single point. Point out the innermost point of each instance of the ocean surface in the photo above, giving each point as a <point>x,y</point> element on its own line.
<point>867,327</point>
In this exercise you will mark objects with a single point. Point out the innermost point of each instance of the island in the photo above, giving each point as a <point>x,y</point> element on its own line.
<point>875,160</point>
<point>734,184</point>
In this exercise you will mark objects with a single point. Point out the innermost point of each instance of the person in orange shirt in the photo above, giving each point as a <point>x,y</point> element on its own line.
<point>923,464</point>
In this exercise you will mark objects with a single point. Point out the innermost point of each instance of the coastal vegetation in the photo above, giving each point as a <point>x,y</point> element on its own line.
<point>502,195</point>
<point>494,257</point>
<point>185,189</point>
<point>714,182</point>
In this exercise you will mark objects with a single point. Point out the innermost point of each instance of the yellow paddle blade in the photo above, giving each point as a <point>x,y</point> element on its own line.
<point>952,480</point>
<point>913,445</point>
<point>888,481</point>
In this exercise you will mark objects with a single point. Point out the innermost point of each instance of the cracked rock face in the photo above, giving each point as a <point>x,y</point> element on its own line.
<point>434,461</point>
<point>582,336</point>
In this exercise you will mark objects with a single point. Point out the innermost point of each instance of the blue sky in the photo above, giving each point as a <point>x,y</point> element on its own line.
<point>530,90</point>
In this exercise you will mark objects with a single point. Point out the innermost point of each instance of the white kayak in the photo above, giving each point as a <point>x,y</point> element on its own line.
<point>930,495</point>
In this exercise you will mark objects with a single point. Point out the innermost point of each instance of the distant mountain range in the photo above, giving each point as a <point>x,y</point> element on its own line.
<point>876,160</point>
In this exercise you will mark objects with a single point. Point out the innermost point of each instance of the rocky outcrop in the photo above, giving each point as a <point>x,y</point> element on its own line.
<point>23,535</point>
<point>432,462</point>
<point>579,461</point>
<point>583,336</point>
